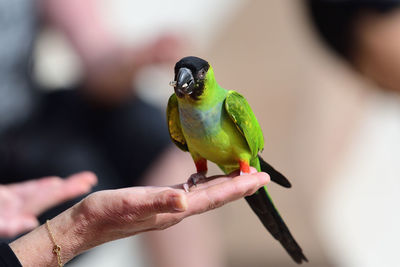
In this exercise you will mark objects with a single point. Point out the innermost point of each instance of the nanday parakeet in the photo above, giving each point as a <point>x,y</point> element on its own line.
<point>218,125</point>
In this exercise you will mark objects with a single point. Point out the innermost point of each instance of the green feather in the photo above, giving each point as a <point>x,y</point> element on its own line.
<point>174,124</point>
<point>245,120</point>
<point>219,125</point>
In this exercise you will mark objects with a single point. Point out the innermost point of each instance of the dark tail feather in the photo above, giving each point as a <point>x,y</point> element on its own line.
<point>262,205</point>
<point>276,176</point>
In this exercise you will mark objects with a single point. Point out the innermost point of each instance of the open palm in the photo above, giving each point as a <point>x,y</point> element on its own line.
<point>21,203</point>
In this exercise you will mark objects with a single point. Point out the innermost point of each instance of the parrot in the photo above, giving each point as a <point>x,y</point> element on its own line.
<point>218,125</point>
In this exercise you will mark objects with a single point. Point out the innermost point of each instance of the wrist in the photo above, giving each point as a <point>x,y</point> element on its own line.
<point>65,230</point>
<point>36,247</point>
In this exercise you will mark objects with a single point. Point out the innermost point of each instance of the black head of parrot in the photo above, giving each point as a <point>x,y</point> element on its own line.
<point>190,74</point>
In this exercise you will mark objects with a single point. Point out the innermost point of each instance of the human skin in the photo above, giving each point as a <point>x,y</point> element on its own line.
<point>21,203</point>
<point>113,214</point>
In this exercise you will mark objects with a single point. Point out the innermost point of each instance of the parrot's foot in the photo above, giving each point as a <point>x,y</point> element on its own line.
<point>194,179</point>
<point>244,173</point>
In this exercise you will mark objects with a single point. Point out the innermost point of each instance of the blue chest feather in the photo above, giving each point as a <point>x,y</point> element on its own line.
<point>200,123</point>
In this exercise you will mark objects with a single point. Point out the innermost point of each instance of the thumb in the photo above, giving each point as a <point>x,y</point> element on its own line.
<point>165,201</point>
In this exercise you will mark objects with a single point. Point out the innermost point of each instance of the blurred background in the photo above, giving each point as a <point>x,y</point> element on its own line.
<point>330,122</point>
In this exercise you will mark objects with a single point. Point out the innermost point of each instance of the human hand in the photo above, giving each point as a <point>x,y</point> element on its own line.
<point>21,203</point>
<point>113,214</point>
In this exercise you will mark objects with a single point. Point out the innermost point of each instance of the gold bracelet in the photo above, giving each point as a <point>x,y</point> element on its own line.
<point>56,248</point>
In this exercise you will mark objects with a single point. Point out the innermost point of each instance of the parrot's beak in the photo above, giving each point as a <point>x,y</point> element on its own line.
<point>184,82</point>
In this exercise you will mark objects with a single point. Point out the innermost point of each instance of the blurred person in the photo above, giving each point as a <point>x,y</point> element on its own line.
<point>102,126</point>
<point>359,217</point>
<point>18,25</point>
<point>113,214</point>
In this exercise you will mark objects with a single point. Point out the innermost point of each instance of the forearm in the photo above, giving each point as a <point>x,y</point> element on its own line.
<point>36,248</point>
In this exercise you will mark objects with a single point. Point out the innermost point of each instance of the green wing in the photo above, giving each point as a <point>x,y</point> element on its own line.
<point>174,124</point>
<point>243,117</point>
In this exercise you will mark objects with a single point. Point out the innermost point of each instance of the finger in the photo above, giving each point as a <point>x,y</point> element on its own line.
<point>206,199</point>
<point>209,181</point>
<point>81,183</point>
<point>206,182</point>
<point>219,194</point>
<point>74,186</point>
<point>237,172</point>
<point>163,202</point>
<point>55,190</point>
<point>217,179</point>
<point>13,227</point>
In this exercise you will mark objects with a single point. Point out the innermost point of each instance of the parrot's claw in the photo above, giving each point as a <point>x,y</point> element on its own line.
<point>186,187</point>
<point>196,178</point>
<point>244,173</point>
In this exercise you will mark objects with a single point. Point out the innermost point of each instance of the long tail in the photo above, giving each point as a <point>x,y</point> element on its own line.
<point>262,205</point>
<point>276,176</point>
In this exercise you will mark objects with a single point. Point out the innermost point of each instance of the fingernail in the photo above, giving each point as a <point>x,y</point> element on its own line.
<point>180,203</point>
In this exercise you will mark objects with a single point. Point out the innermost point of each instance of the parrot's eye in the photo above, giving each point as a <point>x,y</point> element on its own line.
<point>202,74</point>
